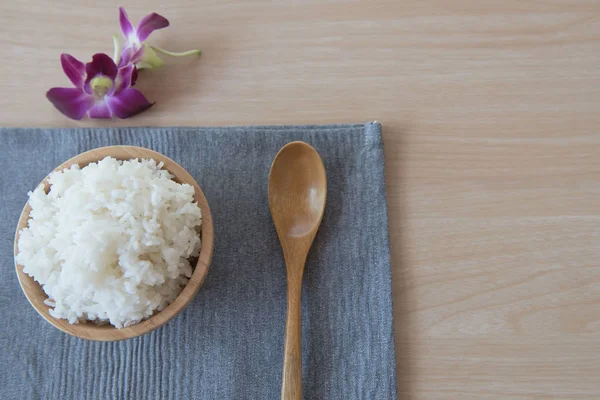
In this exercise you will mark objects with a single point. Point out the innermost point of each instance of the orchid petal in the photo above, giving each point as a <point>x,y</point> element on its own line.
<point>126,26</point>
<point>136,55</point>
<point>134,76</point>
<point>73,102</point>
<point>149,59</point>
<point>100,110</point>
<point>124,78</point>
<point>74,69</point>
<point>87,88</point>
<point>149,24</point>
<point>101,65</point>
<point>127,103</point>
<point>125,57</point>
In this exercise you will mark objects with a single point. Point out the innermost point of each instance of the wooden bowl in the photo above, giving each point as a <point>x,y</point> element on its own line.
<point>91,331</point>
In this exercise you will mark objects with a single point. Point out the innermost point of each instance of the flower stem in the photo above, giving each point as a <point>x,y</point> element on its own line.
<point>117,51</point>
<point>172,54</point>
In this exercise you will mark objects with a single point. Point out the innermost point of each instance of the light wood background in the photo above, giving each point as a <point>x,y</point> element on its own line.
<point>491,112</point>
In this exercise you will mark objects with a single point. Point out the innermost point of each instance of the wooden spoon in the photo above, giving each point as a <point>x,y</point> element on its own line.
<point>297,192</point>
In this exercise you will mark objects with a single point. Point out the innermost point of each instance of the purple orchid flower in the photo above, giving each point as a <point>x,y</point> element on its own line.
<point>101,89</point>
<point>137,52</point>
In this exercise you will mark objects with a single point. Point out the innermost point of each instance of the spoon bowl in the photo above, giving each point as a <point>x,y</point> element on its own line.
<point>297,194</point>
<point>297,190</point>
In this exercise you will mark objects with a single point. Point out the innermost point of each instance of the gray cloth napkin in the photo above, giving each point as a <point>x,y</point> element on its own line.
<point>228,342</point>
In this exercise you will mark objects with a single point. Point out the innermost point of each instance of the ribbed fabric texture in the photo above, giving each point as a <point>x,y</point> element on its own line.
<point>228,342</point>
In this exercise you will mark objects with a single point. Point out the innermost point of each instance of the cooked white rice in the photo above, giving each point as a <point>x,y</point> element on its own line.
<point>111,242</point>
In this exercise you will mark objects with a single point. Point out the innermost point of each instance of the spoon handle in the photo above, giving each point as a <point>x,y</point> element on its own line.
<point>291,387</point>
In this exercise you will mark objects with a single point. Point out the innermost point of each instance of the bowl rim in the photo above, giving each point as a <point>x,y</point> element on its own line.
<point>90,331</point>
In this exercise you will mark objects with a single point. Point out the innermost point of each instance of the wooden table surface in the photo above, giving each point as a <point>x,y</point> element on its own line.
<point>491,116</point>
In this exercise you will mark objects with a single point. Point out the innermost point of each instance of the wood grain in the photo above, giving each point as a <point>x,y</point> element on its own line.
<point>37,296</point>
<point>492,138</point>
